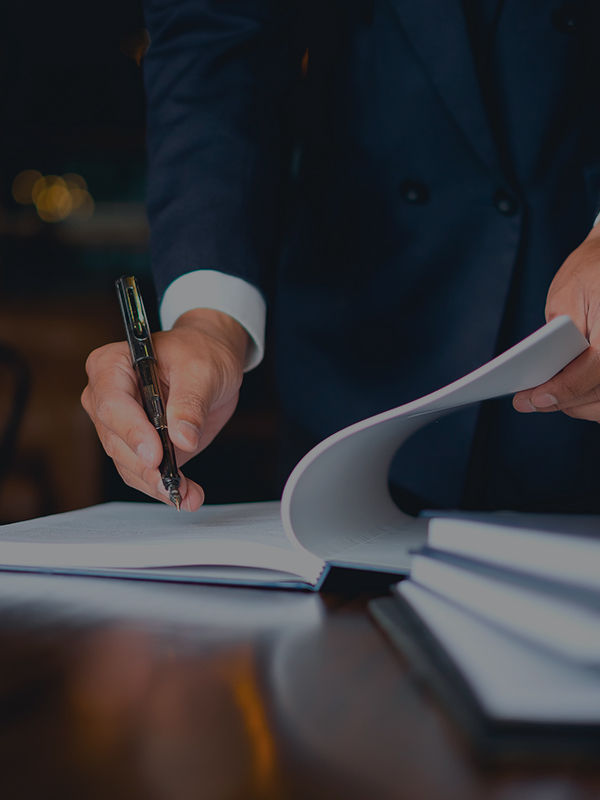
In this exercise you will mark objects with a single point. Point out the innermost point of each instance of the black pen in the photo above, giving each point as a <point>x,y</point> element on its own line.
<point>144,362</point>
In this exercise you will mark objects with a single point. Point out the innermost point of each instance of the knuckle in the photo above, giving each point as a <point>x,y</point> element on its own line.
<point>105,359</point>
<point>90,362</point>
<point>570,391</point>
<point>581,413</point>
<point>110,442</point>
<point>581,394</point>
<point>127,477</point>
<point>594,394</point>
<point>106,407</point>
<point>192,406</point>
<point>149,477</point>
<point>595,359</point>
<point>86,401</point>
<point>93,361</point>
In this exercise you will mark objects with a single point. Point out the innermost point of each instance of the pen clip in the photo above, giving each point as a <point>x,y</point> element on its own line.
<point>138,317</point>
<point>134,318</point>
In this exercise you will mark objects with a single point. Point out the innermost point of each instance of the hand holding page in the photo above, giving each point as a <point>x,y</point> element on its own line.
<point>335,510</point>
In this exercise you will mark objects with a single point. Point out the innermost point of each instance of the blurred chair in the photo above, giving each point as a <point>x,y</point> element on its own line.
<point>58,460</point>
<point>15,387</point>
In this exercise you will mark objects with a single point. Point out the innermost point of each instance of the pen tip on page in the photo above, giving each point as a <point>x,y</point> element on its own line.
<point>175,498</point>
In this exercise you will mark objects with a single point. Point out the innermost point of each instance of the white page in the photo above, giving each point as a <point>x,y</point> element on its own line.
<point>150,535</point>
<point>335,505</point>
<point>570,629</point>
<point>336,502</point>
<point>227,574</point>
<point>567,558</point>
<point>512,680</point>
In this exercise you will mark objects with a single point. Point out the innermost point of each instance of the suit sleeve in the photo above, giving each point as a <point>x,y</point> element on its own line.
<point>220,79</point>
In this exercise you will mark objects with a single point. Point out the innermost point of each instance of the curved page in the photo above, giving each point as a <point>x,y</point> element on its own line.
<point>336,502</point>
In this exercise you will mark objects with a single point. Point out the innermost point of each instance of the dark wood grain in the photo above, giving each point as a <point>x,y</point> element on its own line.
<point>116,689</point>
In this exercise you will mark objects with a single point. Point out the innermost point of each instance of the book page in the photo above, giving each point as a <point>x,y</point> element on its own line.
<point>336,502</point>
<point>152,535</point>
<point>556,622</point>
<point>568,556</point>
<point>512,679</point>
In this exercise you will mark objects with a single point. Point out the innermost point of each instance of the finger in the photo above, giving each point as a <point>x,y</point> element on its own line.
<point>147,478</point>
<point>111,366</point>
<point>125,458</point>
<point>144,478</point>
<point>577,384</point>
<point>120,417</point>
<point>588,411</point>
<point>192,495</point>
<point>112,401</point>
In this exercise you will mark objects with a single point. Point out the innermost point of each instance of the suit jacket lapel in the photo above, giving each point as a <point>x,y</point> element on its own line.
<point>438,33</point>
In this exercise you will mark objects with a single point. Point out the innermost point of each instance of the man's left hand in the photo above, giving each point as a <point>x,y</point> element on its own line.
<point>575,291</point>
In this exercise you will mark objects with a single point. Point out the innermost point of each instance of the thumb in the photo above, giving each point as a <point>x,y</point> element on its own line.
<point>188,405</point>
<point>203,375</point>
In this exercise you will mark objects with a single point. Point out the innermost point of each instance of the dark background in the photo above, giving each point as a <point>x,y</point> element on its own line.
<point>72,102</point>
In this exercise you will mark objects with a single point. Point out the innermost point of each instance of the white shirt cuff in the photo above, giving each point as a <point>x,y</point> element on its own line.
<point>597,220</point>
<point>207,288</point>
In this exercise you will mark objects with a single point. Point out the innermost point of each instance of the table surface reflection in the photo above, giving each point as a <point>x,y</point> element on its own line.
<point>124,689</point>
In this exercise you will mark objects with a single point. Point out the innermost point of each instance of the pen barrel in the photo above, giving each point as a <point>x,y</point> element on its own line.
<point>168,466</point>
<point>144,362</point>
<point>155,411</point>
<point>151,399</point>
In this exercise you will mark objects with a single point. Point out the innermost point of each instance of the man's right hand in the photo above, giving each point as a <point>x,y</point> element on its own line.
<point>200,365</point>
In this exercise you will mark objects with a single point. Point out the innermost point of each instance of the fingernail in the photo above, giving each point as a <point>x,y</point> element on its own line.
<point>543,400</point>
<point>146,454</point>
<point>189,432</point>
<point>524,405</point>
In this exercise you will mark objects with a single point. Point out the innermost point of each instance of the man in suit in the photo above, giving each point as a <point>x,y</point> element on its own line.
<point>421,194</point>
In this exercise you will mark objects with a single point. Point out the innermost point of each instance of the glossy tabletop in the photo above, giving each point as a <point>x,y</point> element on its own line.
<point>121,689</point>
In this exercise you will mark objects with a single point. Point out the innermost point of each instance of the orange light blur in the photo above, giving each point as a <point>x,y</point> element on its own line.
<point>54,197</point>
<point>54,203</point>
<point>73,180</point>
<point>23,184</point>
<point>83,205</point>
<point>248,697</point>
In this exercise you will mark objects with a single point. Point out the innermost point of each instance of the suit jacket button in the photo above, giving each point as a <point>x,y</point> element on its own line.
<point>505,204</point>
<point>414,192</point>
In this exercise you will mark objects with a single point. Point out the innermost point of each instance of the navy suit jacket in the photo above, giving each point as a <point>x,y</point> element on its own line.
<point>404,209</point>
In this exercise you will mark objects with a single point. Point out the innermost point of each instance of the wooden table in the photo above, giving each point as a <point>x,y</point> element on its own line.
<point>120,689</point>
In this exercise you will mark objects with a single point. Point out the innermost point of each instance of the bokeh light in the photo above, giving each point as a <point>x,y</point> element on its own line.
<point>54,203</point>
<point>23,184</point>
<point>54,197</point>
<point>83,205</point>
<point>73,180</point>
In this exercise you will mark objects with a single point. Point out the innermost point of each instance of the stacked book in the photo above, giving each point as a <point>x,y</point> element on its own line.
<point>501,618</point>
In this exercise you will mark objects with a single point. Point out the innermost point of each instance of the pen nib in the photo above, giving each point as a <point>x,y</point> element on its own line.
<point>175,498</point>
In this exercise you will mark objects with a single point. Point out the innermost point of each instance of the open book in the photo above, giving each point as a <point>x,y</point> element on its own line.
<point>335,510</point>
